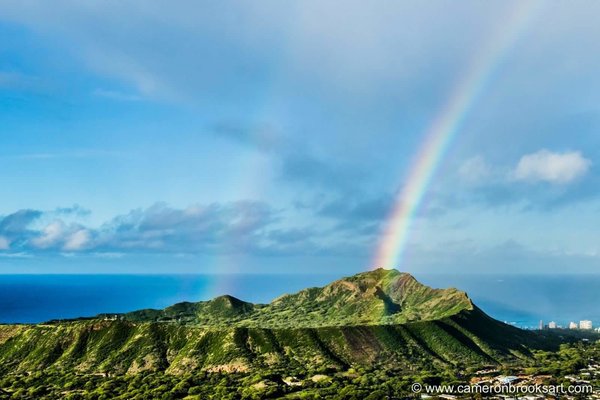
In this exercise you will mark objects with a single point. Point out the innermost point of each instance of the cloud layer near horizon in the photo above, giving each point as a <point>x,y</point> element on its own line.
<point>211,228</point>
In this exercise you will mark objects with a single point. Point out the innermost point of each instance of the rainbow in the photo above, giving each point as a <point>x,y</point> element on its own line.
<point>443,129</point>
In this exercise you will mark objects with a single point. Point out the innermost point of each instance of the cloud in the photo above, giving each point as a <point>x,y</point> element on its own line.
<point>567,176</point>
<point>262,136</point>
<point>203,47</point>
<point>50,235</point>
<point>74,210</point>
<point>298,164</point>
<point>310,170</point>
<point>248,228</point>
<point>77,240</point>
<point>547,166</point>
<point>17,223</point>
<point>215,227</point>
<point>60,235</point>
<point>4,243</point>
<point>235,226</point>
<point>358,215</point>
<point>475,170</point>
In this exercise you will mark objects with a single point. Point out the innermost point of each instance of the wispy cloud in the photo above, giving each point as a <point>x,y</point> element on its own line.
<point>475,170</point>
<point>261,136</point>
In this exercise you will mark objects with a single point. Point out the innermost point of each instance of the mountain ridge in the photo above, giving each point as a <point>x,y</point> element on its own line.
<point>377,297</point>
<point>380,317</point>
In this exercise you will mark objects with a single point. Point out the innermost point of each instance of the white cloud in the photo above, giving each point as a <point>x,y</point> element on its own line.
<point>78,240</point>
<point>547,166</point>
<point>50,235</point>
<point>4,243</point>
<point>58,234</point>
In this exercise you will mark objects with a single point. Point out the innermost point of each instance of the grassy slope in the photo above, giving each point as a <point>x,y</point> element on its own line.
<point>123,346</point>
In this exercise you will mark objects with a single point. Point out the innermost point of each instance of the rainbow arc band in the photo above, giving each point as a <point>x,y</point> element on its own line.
<point>444,127</point>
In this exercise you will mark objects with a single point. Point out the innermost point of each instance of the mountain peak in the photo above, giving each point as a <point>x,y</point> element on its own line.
<point>380,273</point>
<point>228,300</point>
<point>377,297</point>
<point>380,296</point>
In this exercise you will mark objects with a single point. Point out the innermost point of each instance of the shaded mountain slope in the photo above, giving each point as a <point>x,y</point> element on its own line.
<point>124,346</point>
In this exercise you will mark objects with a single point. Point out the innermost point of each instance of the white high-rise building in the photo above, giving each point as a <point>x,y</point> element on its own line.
<point>551,325</point>
<point>585,324</point>
<point>573,325</point>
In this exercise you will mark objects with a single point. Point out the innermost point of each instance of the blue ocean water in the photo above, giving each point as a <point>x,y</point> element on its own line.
<point>39,298</point>
<point>523,300</point>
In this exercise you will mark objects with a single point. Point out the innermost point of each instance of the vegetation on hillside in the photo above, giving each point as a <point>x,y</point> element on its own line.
<point>563,366</point>
<point>367,335</point>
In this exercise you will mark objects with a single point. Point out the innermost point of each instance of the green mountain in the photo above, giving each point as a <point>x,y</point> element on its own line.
<point>380,297</point>
<point>379,318</point>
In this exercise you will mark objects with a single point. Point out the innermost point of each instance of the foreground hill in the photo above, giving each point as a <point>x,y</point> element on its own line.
<point>380,318</point>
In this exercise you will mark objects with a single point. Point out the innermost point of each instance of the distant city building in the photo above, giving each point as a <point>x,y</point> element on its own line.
<point>573,325</point>
<point>585,324</point>
<point>552,325</point>
<point>541,324</point>
<point>505,380</point>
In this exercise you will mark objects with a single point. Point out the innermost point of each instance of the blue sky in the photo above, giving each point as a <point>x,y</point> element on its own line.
<point>273,137</point>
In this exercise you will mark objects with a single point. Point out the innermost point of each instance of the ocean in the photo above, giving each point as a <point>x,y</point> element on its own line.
<point>521,300</point>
